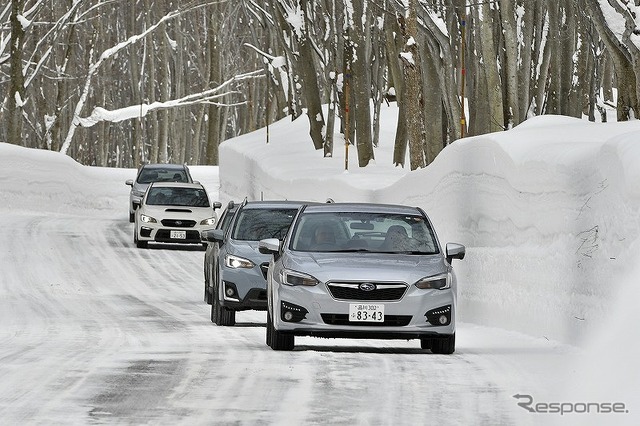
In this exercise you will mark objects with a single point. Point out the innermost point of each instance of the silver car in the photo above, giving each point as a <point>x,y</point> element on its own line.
<point>154,173</point>
<point>361,271</point>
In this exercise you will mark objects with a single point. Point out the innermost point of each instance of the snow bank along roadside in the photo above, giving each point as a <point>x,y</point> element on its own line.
<point>40,180</point>
<point>548,211</point>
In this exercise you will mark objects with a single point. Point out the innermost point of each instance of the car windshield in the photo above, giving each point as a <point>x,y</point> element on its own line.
<point>363,231</point>
<point>162,175</point>
<point>186,197</point>
<point>258,224</point>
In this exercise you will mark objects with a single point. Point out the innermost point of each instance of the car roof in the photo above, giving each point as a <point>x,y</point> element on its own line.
<point>165,166</point>
<point>361,207</point>
<point>276,204</point>
<point>177,185</point>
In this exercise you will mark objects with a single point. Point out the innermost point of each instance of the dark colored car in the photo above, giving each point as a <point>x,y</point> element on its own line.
<point>154,173</point>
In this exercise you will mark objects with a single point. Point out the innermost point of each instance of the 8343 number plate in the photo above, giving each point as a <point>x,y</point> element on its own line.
<point>366,312</point>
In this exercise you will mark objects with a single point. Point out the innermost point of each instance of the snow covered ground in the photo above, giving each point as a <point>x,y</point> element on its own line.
<point>94,330</point>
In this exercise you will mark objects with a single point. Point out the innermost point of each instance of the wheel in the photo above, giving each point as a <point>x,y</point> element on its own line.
<point>269,327</point>
<point>219,314</point>
<point>277,340</point>
<point>132,217</point>
<point>136,241</point>
<point>215,310</point>
<point>444,345</point>
<point>207,295</point>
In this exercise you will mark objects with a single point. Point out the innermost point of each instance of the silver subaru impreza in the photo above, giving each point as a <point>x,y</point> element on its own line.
<point>361,270</point>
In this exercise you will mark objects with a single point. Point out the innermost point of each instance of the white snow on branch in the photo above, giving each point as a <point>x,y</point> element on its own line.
<point>24,22</point>
<point>408,56</point>
<point>138,111</point>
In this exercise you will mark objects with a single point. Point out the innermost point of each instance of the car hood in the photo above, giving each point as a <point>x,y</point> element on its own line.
<point>366,266</point>
<point>178,212</point>
<point>248,250</point>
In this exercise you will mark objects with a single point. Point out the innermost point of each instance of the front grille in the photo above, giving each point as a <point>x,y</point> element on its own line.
<point>179,223</point>
<point>264,267</point>
<point>353,291</point>
<point>389,320</point>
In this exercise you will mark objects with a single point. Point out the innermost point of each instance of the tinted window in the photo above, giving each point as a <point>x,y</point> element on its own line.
<point>375,232</point>
<point>187,197</point>
<point>258,224</point>
<point>162,175</point>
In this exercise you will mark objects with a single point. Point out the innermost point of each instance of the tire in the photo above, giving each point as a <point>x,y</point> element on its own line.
<point>136,241</point>
<point>215,310</point>
<point>207,295</point>
<point>219,314</point>
<point>444,345</point>
<point>277,340</point>
<point>132,217</point>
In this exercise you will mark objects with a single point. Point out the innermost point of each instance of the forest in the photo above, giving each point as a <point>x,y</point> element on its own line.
<point>120,83</point>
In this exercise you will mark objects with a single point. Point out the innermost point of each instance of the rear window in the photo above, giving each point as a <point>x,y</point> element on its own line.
<point>259,224</point>
<point>162,175</point>
<point>186,197</point>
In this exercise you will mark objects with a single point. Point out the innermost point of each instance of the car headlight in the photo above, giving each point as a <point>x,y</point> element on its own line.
<point>236,262</point>
<point>289,277</point>
<point>147,219</point>
<point>438,282</point>
<point>208,222</point>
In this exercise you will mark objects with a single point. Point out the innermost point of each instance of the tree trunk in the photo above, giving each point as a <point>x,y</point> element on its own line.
<point>413,90</point>
<point>16,79</point>
<point>361,78</point>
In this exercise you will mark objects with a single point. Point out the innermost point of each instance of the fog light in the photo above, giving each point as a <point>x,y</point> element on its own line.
<point>230,292</point>
<point>439,316</point>
<point>292,313</point>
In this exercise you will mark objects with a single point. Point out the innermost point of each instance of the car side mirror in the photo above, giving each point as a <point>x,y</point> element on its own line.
<point>136,204</point>
<point>217,205</point>
<point>454,251</point>
<point>269,246</point>
<point>129,182</point>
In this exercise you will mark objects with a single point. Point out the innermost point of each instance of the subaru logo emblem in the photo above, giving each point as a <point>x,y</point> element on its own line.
<point>367,286</point>
<point>178,222</point>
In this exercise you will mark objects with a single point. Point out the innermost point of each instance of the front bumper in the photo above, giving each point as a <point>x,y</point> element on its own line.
<point>244,288</point>
<point>326,316</point>
<point>161,234</point>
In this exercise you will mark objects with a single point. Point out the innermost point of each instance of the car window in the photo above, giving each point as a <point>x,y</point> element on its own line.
<point>225,220</point>
<point>186,197</point>
<point>373,232</point>
<point>163,175</point>
<point>258,224</point>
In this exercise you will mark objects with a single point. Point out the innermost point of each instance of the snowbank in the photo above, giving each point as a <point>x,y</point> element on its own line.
<point>548,210</point>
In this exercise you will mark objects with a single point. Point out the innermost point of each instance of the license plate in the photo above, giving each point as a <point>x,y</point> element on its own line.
<point>366,312</point>
<point>178,235</point>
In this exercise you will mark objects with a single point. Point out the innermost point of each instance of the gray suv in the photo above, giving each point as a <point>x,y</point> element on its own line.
<point>237,271</point>
<point>362,271</point>
<point>154,173</point>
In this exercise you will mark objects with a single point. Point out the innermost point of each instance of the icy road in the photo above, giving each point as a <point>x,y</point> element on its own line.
<point>94,330</point>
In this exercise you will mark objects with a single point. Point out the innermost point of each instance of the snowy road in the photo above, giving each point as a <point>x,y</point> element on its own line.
<point>94,330</point>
